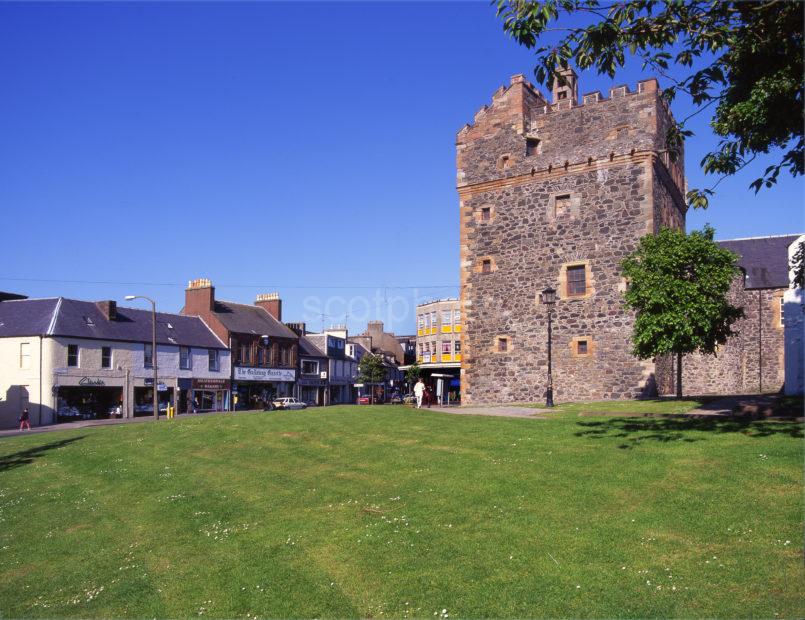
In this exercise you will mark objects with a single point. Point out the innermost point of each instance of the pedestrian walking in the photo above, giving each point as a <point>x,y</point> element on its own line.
<point>25,419</point>
<point>419,392</point>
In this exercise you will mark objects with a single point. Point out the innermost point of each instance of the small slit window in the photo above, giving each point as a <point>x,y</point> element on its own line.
<point>486,266</point>
<point>503,345</point>
<point>576,280</point>
<point>486,213</point>
<point>581,347</point>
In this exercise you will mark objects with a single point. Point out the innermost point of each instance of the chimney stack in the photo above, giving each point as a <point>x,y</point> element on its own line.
<point>300,329</point>
<point>108,309</point>
<point>271,303</point>
<point>566,87</point>
<point>199,297</point>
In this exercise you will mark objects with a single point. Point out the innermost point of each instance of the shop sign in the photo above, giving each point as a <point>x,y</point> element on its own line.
<point>210,384</point>
<point>264,374</point>
<point>161,387</point>
<point>90,381</point>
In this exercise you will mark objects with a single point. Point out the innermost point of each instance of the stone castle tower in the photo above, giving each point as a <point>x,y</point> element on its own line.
<point>555,195</point>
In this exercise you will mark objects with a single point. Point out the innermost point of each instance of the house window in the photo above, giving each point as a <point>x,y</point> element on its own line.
<point>310,367</point>
<point>576,280</point>
<point>456,317</point>
<point>106,357</point>
<point>446,347</point>
<point>212,355</point>
<point>447,317</point>
<point>562,205</point>
<point>184,358</point>
<point>532,146</point>
<point>486,266</point>
<point>782,312</point>
<point>457,347</point>
<point>433,319</point>
<point>148,356</point>
<point>420,321</point>
<point>72,355</point>
<point>503,345</point>
<point>427,347</point>
<point>25,355</point>
<point>486,213</point>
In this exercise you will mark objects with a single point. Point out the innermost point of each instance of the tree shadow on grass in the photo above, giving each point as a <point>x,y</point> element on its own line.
<point>26,457</point>
<point>669,428</point>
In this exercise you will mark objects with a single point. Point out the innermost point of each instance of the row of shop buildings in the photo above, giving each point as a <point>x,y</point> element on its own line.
<point>65,359</point>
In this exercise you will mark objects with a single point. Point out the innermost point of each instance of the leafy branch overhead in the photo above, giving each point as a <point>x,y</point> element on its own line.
<point>743,58</point>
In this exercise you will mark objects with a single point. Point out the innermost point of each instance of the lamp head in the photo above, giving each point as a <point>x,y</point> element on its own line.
<point>130,297</point>
<point>548,296</point>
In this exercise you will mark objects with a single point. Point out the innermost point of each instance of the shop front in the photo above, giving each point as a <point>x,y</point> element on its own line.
<point>255,388</point>
<point>88,397</point>
<point>209,395</point>
<point>144,398</point>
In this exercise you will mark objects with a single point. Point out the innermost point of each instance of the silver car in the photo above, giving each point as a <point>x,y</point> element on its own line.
<point>288,402</point>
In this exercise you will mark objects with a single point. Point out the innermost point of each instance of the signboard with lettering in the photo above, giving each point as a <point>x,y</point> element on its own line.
<point>210,384</point>
<point>91,381</point>
<point>264,374</point>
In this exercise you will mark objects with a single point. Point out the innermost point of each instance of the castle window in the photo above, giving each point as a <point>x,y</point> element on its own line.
<point>486,266</point>
<point>486,213</point>
<point>562,205</point>
<point>562,94</point>
<point>581,347</point>
<point>503,345</point>
<point>532,146</point>
<point>504,162</point>
<point>576,280</point>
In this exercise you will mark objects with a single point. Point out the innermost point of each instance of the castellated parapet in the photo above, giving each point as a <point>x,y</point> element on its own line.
<point>557,194</point>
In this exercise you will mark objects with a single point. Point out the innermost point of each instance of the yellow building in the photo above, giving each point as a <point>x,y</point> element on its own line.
<point>438,345</point>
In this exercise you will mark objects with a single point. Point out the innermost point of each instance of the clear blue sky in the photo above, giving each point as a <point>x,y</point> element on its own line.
<point>267,146</point>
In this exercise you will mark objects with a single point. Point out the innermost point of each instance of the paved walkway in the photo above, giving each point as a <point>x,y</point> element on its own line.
<point>90,423</point>
<point>501,411</point>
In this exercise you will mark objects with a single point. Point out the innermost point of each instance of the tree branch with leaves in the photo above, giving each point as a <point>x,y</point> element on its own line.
<point>744,58</point>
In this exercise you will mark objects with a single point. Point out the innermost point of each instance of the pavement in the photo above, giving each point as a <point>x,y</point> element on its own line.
<point>499,411</point>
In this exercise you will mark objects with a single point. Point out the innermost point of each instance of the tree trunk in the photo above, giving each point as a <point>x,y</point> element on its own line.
<point>679,375</point>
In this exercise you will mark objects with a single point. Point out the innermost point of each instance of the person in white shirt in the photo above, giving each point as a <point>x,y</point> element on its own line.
<point>419,391</point>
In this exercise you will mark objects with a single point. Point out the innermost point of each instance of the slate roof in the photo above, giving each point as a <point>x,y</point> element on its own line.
<point>763,259</point>
<point>247,319</point>
<point>319,341</point>
<point>307,348</point>
<point>83,319</point>
<point>26,317</point>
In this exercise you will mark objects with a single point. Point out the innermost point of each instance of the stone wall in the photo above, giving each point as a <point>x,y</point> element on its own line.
<point>735,369</point>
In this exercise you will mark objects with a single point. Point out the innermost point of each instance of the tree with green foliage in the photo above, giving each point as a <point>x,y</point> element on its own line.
<point>371,371</point>
<point>678,287</point>
<point>413,372</point>
<point>744,58</point>
<point>798,265</point>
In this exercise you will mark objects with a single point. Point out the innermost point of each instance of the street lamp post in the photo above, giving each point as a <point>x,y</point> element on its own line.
<point>153,347</point>
<point>548,297</point>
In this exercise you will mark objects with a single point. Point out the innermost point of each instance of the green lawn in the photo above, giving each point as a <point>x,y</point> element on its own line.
<point>651,406</point>
<point>392,512</point>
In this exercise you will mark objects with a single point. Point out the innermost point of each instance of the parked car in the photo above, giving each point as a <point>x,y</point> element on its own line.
<point>288,402</point>
<point>364,400</point>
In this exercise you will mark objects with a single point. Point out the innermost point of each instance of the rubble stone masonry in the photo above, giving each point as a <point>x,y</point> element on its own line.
<point>546,190</point>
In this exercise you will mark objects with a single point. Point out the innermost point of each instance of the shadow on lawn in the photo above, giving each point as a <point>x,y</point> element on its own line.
<point>676,428</point>
<point>26,457</point>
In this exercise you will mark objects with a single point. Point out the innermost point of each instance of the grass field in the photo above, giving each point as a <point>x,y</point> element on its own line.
<point>391,512</point>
